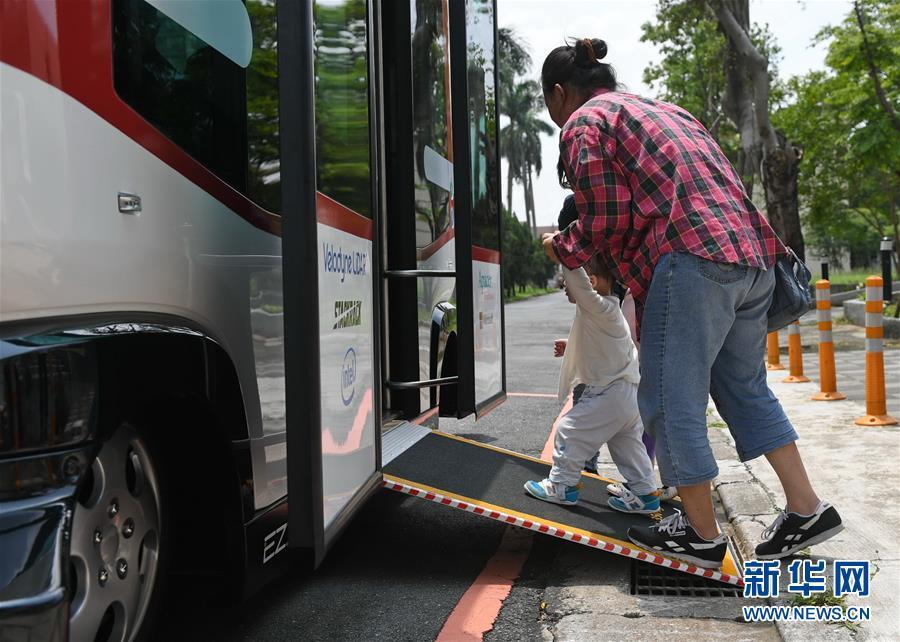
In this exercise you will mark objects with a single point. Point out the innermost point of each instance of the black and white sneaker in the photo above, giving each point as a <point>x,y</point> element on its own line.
<point>791,532</point>
<point>675,537</point>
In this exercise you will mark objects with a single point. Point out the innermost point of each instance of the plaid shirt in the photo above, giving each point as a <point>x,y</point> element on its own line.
<point>649,180</point>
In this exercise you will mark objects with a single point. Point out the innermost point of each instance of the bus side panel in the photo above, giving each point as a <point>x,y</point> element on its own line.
<point>347,358</point>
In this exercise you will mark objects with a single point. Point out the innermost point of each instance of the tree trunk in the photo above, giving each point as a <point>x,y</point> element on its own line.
<point>529,202</point>
<point>779,173</point>
<point>509,186</point>
<point>747,93</point>
<point>874,72</point>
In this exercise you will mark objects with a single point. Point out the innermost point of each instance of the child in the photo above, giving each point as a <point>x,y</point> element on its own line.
<point>568,215</point>
<point>600,367</point>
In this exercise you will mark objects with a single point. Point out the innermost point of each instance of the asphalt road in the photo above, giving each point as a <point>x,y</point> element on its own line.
<point>403,564</point>
<point>401,567</point>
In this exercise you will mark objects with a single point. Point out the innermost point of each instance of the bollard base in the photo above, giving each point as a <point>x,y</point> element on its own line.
<point>796,379</point>
<point>876,420</point>
<point>774,366</point>
<point>828,396</point>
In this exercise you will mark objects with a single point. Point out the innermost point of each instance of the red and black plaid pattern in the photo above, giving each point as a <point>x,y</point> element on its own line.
<point>649,180</point>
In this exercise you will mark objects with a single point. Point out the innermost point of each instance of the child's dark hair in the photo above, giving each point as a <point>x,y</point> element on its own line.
<point>561,174</point>
<point>578,65</point>
<point>595,266</point>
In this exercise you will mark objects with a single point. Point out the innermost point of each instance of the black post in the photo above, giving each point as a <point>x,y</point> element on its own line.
<point>300,268</point>
<point>886,250</point>
<point>825,270</point>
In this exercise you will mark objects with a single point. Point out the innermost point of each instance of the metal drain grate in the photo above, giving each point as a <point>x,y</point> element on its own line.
<point>650,579</point>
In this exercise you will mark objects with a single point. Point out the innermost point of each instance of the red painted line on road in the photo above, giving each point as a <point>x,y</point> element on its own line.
<point>547,452</point>
<point>542,395</point>
<point>477,610</point>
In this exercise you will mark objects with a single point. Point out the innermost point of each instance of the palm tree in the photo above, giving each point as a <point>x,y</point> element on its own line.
<point>521,142</point>
<point>514,57</point>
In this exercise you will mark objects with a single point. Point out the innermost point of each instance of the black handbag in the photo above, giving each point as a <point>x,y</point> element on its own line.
<point>792,297</point>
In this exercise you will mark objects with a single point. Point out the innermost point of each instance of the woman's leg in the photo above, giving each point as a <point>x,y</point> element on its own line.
<point>689,314</point>
<point>801,498</point>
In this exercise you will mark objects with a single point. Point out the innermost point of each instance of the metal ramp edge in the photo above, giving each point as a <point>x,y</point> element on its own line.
<point>730,573</point>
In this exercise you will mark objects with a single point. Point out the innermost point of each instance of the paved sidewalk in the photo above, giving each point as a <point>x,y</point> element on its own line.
<point>855,468</point>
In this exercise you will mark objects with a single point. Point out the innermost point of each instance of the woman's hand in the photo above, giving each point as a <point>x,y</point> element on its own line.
<point>547,242</point>
<point>559,347</point>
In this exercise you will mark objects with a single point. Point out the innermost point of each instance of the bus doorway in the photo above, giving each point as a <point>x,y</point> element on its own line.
<point>443,326</point>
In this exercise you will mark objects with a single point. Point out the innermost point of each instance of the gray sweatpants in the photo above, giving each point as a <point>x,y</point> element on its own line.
<point>603,416</point>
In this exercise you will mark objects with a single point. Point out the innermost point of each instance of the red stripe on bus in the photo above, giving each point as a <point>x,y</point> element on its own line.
<point>430,250</point>
<point>485,255</point>
<point>75,56</point>
<point>331,213</point>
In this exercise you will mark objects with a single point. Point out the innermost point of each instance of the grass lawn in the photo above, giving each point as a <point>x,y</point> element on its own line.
<point>855,277</point>
<point>529,292</point>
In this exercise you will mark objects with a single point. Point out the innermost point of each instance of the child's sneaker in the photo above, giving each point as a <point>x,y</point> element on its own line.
<point>550,492</point>
<point>790,532</point>
<point>628,502</point>
<point>665,492</point>
<point>675,537</point>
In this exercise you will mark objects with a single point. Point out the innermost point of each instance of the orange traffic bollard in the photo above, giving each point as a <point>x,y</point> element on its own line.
<point>774,358</point>
<point>795,355</point>
<point>876,405</point>
<point>827,375</point>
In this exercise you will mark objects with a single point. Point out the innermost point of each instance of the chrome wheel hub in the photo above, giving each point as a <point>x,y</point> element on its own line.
<point>115,541</point>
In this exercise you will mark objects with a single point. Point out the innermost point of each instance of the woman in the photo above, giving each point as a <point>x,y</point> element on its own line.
<point>657,197</point>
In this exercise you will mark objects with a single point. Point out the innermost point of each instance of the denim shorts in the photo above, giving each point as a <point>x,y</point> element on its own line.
<point>704,334</point>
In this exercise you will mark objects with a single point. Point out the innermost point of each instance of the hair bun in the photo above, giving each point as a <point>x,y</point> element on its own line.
<point>588,51</point>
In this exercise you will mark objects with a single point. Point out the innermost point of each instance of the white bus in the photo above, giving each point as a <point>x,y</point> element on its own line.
<point>247,247</point>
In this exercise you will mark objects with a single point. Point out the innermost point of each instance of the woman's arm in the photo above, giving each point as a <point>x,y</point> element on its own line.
<point>602,196</point>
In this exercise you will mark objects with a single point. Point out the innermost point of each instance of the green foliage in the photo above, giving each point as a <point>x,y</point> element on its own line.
<point>522,102</point>
<point>524,261</point>
<point>690,71</point>
<point>342,104</point>
<point>529,292</point>
<point>850,177</point>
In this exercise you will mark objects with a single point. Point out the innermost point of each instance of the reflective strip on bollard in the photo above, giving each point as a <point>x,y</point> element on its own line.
<point>876,404</point>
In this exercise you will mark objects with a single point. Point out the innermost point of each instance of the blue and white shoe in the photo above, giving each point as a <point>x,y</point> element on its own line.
<point>665,492</point>
<point>628,502</point>
<point>550,492</point>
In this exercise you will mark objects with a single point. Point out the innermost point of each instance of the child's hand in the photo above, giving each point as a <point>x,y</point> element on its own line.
<point>559,347</point>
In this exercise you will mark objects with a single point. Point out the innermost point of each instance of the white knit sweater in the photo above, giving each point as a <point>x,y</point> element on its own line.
<point>600,349</point>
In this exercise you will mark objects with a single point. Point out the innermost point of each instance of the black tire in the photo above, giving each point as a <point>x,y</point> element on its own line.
<point>122,537</point>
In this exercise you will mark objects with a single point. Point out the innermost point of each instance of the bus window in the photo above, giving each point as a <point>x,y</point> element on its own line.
<point>432,140</point>
<point>482,117</point>
<point>483,124</point>
<point>347,362</point>
<point>222,114</point>
<point>342,104</point>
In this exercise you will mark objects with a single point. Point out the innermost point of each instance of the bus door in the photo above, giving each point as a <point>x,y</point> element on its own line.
<point>443,335</point>
<point>330,269</point>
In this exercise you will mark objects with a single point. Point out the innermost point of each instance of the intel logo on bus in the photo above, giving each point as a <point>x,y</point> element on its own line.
<point>348,376</point>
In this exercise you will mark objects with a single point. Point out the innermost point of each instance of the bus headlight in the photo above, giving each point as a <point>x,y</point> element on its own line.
<point>47,414</point>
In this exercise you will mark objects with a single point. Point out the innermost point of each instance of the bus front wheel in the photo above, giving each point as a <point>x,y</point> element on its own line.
<point>119,541</point>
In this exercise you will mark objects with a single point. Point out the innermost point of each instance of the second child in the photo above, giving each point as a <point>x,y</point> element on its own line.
<point>600,368</point>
